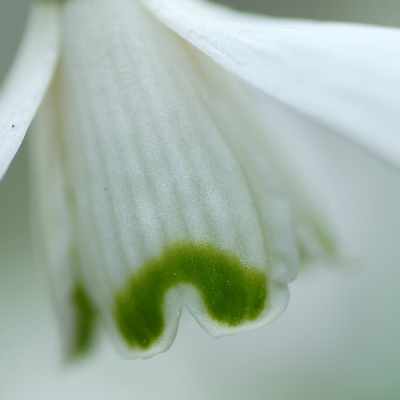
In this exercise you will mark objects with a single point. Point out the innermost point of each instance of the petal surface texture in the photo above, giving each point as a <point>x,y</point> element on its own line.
<point>172,204</point>
<point>343,76</point>
<point>28,79</point>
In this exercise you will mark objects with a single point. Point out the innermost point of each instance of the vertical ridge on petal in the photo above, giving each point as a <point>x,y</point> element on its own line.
<point>255,137</point>
<point>151,166</point>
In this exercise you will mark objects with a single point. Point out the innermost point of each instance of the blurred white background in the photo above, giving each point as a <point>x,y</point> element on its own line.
<point>339,337</point>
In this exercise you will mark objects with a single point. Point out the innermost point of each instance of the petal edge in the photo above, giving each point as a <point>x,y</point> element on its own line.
<point>342,76</point>
<point>27,82</point>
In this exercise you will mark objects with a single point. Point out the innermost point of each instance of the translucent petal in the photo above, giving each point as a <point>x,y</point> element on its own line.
<point>57,224</point>
<point>174,206</point>
<point>28,79</point>
<point>345,77</point>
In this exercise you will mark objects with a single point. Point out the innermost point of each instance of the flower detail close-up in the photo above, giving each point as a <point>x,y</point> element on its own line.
<point>171,167</point>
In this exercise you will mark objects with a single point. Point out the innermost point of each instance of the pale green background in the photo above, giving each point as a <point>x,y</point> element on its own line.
<point>338,339</point>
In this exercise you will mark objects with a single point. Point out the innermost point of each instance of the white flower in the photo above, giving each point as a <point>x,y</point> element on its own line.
<point>158,185</point>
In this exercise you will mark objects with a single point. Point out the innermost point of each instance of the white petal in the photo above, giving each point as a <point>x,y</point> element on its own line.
<point>346,77</point>
<point>156,170</point>
<point>270,124</point>
<point>28,80</point>
<point>56,223</point>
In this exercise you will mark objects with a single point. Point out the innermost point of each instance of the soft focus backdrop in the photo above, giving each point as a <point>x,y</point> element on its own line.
<point>338,339</point>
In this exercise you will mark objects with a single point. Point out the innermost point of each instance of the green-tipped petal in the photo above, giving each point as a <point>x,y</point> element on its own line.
<point>28,79</point>
<point>54,198</point>
<point>163,182</point>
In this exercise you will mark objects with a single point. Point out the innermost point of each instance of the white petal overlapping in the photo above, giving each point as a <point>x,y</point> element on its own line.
<point>343,76</point>
<point>28,80</point>
<point>149,151</point>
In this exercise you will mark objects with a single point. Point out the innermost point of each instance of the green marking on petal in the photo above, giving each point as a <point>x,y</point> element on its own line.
<point>232,292</point>
<point>85,321</point>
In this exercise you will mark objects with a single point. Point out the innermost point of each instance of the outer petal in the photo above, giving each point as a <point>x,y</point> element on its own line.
<point>343,76</point>
<point>28,80</point>
<point>172,204</point>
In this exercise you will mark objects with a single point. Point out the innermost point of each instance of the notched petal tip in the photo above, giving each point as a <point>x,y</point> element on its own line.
<point>232,293</point>
<point>174,189</point>
<point>28,79</point>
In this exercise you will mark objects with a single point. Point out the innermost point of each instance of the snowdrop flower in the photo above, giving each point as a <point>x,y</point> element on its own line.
<point>157,183</point>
